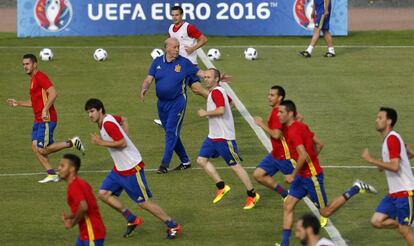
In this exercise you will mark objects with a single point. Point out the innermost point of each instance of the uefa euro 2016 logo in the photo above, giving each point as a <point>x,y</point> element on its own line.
<point>53,15</point>
<point>302,11</point>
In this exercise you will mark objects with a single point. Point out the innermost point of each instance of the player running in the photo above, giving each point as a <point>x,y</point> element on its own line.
<point>82,203</point>
<point>307,178</point>
<point>279,159</point>
<point>42,98</point>
<point>221,140</point>
<point>128,171</point>
<point>396,210</point>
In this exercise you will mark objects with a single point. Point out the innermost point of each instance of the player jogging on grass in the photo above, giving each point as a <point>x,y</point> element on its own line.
<point>128,171</point>
<point>279,159</point>
<point>221,140</point>
<point>42,98</point>
<point>307,178</point>
<point>396,210</point>
<point>82,203</point>
<point>322,13</point>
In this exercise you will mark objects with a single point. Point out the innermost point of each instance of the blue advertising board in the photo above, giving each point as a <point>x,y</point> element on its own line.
<point>135,17</point>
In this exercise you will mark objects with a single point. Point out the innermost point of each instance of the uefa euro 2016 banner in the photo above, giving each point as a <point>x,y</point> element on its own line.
<point>134,17</point>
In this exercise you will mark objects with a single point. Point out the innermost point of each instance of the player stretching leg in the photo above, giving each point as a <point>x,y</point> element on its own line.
<point>128,172</point>
<point>279,158</point>
<point>42,98</point>
<point>307,178</point>
<point>221,140</point>
<point>396,210</point>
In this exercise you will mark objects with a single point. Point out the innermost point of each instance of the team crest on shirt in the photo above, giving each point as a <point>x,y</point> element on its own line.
<point>178,68</point>
<point>158,67</point>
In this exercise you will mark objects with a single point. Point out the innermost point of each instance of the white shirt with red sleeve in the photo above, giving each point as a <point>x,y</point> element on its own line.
<point>394,147</point>
<point>220,127</point>
<point>187,35</point>
<point>127,158</point>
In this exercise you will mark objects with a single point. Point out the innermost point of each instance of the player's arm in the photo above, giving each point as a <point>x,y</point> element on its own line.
<point>216,112</point>
<point>146,85</point>
<point>51,98</point>
<point>198,89</point>
<point>201,41</point>
<point>14,103</point>
<point>318,145</point>
<point>71,221</point>
<point>410,152</point>
<point>97,140</point>
<point>302,155</point>
<point>124,124</point>
<point>274,133</point>
<point>393,165</point>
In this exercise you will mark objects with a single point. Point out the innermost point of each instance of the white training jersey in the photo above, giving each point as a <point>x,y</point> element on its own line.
<point>185,40</point>
<point>220,126</point>
<point>324,242</point>
<point>125,158</point>
<point>403,180</point>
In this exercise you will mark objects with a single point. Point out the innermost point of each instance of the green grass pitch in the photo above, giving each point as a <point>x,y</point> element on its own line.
<point>338,98</point>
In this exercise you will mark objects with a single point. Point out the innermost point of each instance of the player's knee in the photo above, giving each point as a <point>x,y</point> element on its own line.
<point>42,151</point>
<point>103,195</point>
<point>376,223</point>
<point>34,148</point>
<point>258,174</point>
<point>404,230</point>
<point>201,161</point>
<point>288,205</point>
<point>326,212</point>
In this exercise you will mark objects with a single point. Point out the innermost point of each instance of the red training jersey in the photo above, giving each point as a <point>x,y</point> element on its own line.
<point>39,84</point>
<point>299,134</point>
<point>115,133</point>
<point>280,149</point>
<point>91,227</point>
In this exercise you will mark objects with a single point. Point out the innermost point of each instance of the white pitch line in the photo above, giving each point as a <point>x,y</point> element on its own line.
<point>330,228</point>
<point>217,46</point>
<point>193,168</point>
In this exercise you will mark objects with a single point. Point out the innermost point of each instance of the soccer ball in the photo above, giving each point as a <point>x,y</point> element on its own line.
<point>213,54</point>
<point>250,54</point>
<point>100,55</point>
<point>156,53</point>
<point>46,54</point>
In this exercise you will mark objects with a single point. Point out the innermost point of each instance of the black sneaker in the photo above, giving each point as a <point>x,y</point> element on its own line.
<point>329,54</point>
<point>182,167</point>
<point>162,170</point>
<point>305,54</point>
